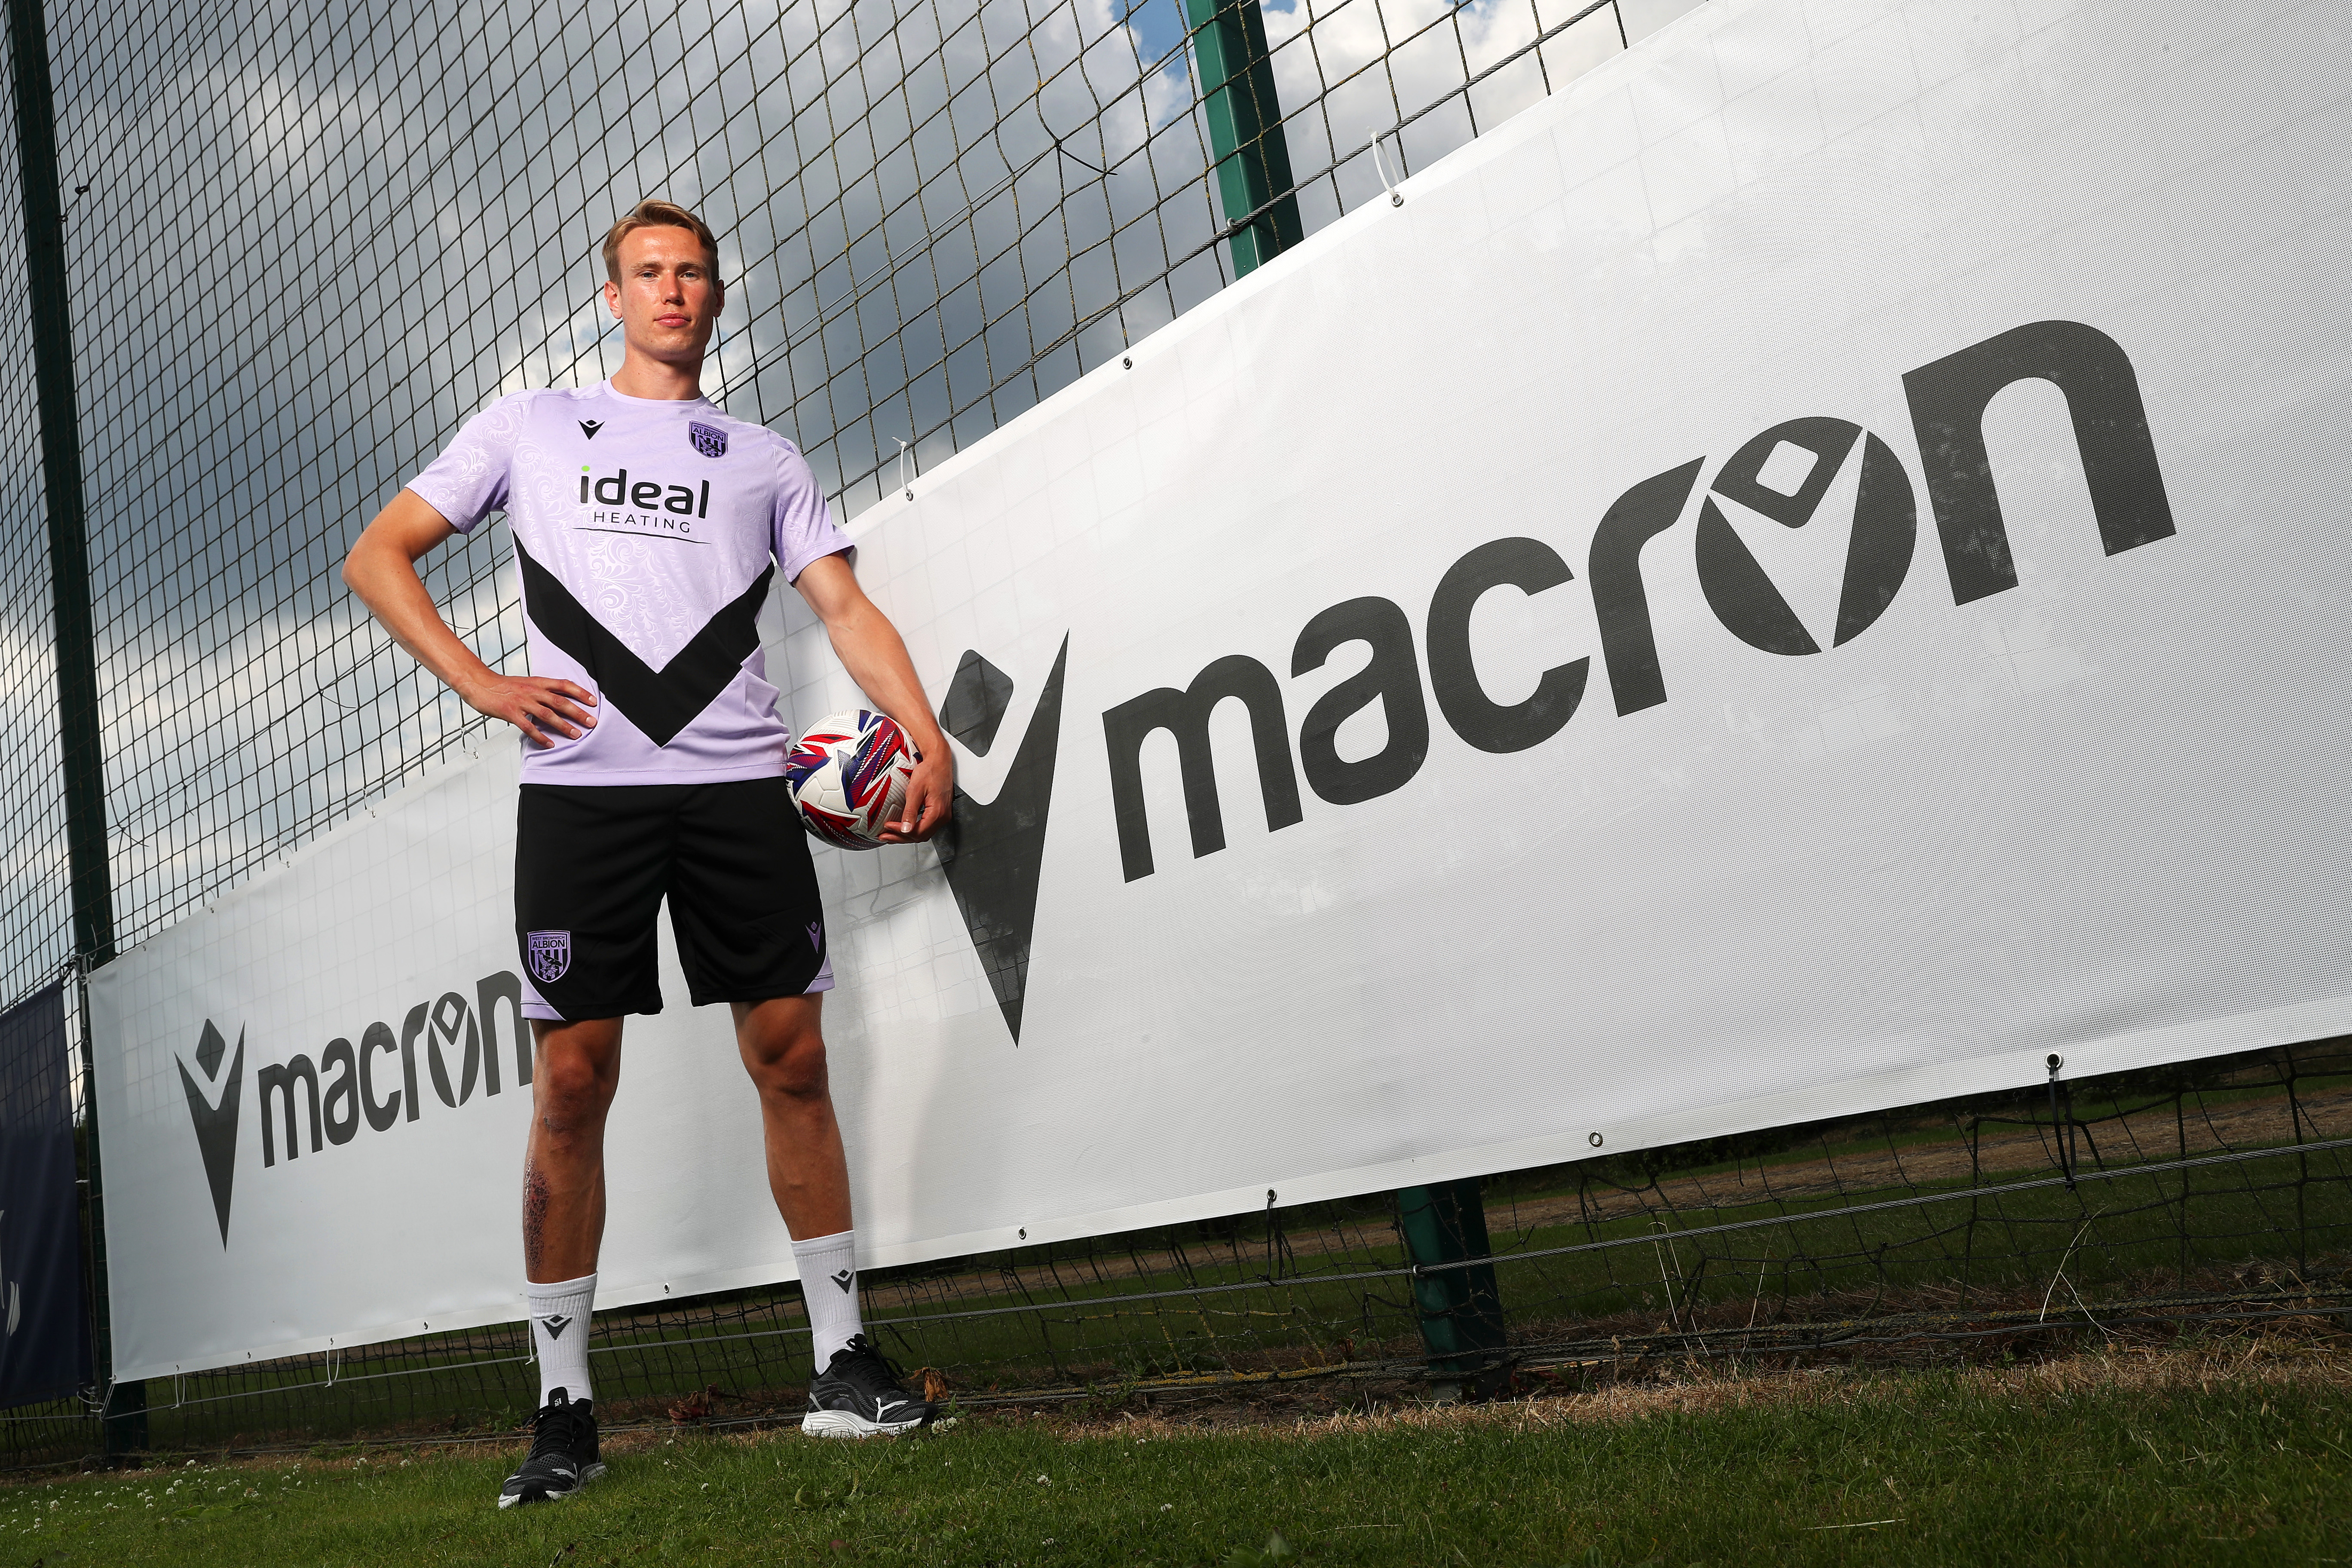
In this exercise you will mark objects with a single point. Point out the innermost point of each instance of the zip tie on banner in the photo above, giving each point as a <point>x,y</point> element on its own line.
<point>1396,197</point>
<point>903,450</point>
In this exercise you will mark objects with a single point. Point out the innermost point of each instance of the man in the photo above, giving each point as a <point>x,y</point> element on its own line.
<point>647,526</point>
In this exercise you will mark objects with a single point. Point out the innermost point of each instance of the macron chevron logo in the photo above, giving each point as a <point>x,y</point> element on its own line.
<point>213,1107</point>
<point>991,853</point>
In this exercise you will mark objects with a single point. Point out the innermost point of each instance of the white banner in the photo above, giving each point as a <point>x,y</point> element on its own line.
<point>1804,573</point>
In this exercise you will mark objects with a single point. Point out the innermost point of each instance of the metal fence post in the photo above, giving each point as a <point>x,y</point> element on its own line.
<point>61,476</point>
<point>1245,129</point>
<point>124,1415</point>
<point>1460,1309</point>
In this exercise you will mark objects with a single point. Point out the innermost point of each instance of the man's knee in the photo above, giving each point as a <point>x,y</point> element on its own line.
<point>797,1072</point>
<point>570,1088</point>
<point>785,1051</point>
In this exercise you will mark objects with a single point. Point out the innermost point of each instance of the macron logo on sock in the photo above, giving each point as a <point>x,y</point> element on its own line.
<point>843,1279</point>
<point>555,1327</point>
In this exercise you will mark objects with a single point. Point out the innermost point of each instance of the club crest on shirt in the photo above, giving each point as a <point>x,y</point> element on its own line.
<point>550,954</point>
<point>708,439</point>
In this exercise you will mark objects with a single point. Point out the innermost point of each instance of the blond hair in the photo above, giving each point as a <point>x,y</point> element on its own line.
<point>652,213</point>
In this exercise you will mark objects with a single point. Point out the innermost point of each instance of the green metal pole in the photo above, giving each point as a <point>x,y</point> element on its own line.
<point>1460,1309</point>
<point>1245,129</point>
<point>84,769</point>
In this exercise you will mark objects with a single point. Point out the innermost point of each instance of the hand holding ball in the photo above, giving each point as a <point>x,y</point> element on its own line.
<point>848,776</point>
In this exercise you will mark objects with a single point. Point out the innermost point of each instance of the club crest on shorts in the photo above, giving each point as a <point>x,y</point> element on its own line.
<point>708,439</point>
<point>550,954</point>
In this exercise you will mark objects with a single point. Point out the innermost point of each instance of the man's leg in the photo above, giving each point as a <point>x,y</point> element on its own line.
<point>782,1044</point>
<point>575,1070</point>
<point>591,864</point>
<point>857,1392</point>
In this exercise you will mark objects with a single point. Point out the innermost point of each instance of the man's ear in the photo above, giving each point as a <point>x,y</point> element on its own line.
<point>613,298</point>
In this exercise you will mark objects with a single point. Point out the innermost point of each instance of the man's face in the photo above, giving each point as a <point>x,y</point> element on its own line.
<point>668,299</point>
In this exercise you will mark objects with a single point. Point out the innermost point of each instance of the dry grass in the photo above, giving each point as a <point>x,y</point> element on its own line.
<point>2285,1361</point>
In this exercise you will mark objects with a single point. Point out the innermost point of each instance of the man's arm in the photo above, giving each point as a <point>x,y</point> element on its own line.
<point>381,570</point>
<point>877,659</point>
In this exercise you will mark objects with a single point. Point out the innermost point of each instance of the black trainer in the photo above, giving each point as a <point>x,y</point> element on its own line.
<point>562,1456</point>
<point>859,1396</point>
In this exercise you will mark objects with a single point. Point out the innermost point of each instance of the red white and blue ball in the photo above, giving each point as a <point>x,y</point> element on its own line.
<point>848,775</point>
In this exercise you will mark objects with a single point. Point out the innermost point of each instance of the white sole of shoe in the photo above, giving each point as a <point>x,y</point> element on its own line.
<point>589,1474</point>
<point>846,1424</point>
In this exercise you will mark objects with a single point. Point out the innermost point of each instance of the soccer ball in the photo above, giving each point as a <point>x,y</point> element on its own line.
<point>848,775</point>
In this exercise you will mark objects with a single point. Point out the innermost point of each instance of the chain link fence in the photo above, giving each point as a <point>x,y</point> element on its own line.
<point>304,244</point>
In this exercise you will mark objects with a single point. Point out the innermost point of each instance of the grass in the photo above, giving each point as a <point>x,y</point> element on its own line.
<point>2227,1452</point>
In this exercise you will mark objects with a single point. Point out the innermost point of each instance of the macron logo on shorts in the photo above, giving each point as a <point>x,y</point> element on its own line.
<point>551,954</point>
<point>816,937</point>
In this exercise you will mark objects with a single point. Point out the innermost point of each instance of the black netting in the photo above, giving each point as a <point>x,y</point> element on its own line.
<point>304,244</point>
<point>2139,1206</point>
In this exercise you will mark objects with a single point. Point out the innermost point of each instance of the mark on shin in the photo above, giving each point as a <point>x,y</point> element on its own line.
<point>534,1219</point>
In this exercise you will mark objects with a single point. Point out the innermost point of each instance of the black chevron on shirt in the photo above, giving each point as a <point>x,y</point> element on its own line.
<point>661,702</point>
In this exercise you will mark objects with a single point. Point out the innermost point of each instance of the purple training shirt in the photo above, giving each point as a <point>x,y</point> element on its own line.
<point>647,534</point>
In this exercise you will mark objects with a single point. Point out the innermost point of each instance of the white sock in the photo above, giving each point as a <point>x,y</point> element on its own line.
<point>559,1332</point>
<point>829,1283</point>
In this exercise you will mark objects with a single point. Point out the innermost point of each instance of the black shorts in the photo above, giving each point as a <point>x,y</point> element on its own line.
<point>594,862</point>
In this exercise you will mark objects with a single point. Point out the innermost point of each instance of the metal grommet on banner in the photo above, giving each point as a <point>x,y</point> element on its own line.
<point>1024,1233</point>
<point>1126,362</point>
<point>1396,197</point>
<point>1594,1140</point>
